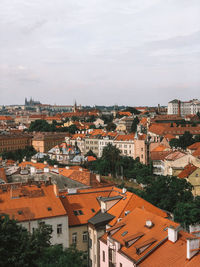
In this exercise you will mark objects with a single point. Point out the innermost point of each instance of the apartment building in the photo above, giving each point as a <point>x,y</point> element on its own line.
<point>145,239</point>
<point>44,141</point>
<point>14,141</point>
<point>181,108</point>
<point>125,143</point>
<point>34,204</point>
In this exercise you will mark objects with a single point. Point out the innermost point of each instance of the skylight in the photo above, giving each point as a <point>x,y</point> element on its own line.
<point>124,233</point>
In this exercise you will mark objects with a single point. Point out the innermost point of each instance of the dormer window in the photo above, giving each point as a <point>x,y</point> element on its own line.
<point>145,245</point>
<point>130,240</point>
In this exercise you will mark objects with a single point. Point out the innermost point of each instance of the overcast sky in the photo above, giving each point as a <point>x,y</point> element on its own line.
<point>125,52</point>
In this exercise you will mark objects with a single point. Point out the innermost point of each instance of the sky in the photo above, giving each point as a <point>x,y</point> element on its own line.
<point>99,52</point>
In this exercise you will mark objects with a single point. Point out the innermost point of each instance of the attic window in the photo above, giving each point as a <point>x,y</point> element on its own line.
<point>92,210</point>
<point>78,212</point>
<point>145,245</point>
<point>124,233</point>
<point>49,208</point>
<point>130,240</point>
<point>20,212</point>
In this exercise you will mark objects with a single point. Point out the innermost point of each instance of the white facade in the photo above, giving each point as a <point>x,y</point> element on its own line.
<point>186,107</point>
<point>60,234</point>
<point>126,147</point>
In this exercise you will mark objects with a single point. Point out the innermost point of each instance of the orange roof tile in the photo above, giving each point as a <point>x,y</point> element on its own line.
<point>160,148</point>
<point>135,222</point>
<point>31,203</point>
<point>194,146</point>
<point>172,254</point>
<point>129,202</point>
<point>188,170</point>
<point>91,158</point>
<point>3,175</point>
<point>125,137</point>
<point>175,155</point>
<point>86,202</point>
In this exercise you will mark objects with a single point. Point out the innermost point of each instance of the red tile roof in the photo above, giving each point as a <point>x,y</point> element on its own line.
<point>172,254</point>
<point>125,137</point>
<point>86,202</point>
<point>135,222</point>
<point>188,170</point>
<point>31,203</point>
<point>3,175</point>
<point>129,202</point>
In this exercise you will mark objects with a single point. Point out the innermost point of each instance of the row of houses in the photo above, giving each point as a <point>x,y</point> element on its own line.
<point>115,227</point>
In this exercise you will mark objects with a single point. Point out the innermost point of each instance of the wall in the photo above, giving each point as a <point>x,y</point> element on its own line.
<point>54,221</point>
<point>103,247</point>
<point>80,245</point>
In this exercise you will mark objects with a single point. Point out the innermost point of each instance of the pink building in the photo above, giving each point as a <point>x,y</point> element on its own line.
<point>147,240</point>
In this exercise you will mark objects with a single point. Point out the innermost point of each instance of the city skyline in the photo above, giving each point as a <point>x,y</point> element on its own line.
<point>133,53</point>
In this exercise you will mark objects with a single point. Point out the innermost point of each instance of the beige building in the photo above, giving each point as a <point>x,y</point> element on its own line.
<point>44,141</point>
<point>12,142</point>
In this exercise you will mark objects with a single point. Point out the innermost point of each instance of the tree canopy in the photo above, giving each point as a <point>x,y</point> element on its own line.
<point>19,154</point>
<point>20,248</point>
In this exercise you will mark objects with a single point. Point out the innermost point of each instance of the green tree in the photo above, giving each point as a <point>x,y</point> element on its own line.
<point>111,154</point>
<point>111,126</point>
<point>134,124</point>
<point>20,248</point>
<point>132,110</point>
<point>166,191</point>
<point>19,154</point>
<point>90,153</point>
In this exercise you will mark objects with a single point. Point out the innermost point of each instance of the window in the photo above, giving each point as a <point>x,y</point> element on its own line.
<point>104,256</point>
<point>59,229</point>
<point>74,238</point>
<point>85,236</point>
<point>77,212</point>
<point>90,243</point>
<point>120,264</point>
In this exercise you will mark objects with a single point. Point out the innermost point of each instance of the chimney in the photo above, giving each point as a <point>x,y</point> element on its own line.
<point>67,167</point>
<point>124,190</point>
<point>55,189</point>
<point>172,234</point>
<point>98,178</point>
<point>192,247</point>
<point>80,169</point>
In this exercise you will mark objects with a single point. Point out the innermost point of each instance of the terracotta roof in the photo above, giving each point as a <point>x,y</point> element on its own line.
<point>3,175</point>
<point>82,206</point>
<point>172,254</point>
<point>135,222</point>
<point>175,155</point>
<point>129,202</point>
<point>143,121</point>
<point>188,170</point>
<point>91,158</point>
<point>159,155</point>
<point>125,137</point>
<point>196,153</point>
<point>159,148</point>
<point>31,203</point>
<point>125,113</point>
<point>165,128</point>
<point>5,118</point>
<point>194,146</point>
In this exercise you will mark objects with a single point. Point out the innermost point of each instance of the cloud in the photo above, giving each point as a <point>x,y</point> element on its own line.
<point>124,50</point>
